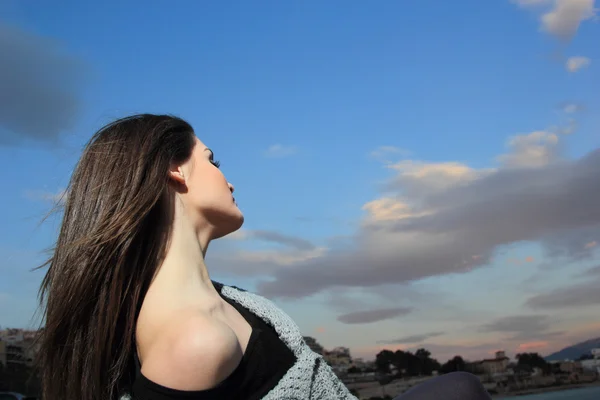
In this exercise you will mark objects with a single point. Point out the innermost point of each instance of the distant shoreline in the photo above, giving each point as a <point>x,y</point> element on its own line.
<point>547,389</point>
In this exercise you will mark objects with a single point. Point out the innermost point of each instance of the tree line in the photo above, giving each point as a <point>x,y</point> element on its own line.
<point>420,363</point>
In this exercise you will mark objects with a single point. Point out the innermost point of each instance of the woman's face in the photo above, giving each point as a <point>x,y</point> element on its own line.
<point>209,194</point>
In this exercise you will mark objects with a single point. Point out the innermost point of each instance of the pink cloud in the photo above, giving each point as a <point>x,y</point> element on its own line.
<point>528,346</point>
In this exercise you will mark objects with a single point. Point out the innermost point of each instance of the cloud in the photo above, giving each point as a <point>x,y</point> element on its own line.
<point>595,271</point>
<point>344,299</point>
<point>518,324</point>
<point>578,295</point>
<point>571,246</point>
<point>446,218</point>
<point>419,178</point>
<point>529,3</point>
<point>572,108</point>
<point>280,151</point>
<point>39,88</point>
<point>388,209</point>
<point>535,149</point>
<point>534,345</point>
<point>564,19</point>
<point>567,129</point>
<point>383,152</point>
<point>574,64</point>
<point>366,317</point>
<point>233,257</point>
<point>280,238</point>
<point>561,18</point>
<point>523,328</point>
<point>412,339</point>
<point>253,263</point>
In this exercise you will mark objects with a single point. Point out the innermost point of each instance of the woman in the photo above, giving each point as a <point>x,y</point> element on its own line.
<point>131,311</point>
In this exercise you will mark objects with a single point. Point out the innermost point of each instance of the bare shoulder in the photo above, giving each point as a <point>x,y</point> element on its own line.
<point>194,352</point>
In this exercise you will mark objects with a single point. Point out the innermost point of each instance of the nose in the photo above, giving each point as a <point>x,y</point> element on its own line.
<point>231,187</point>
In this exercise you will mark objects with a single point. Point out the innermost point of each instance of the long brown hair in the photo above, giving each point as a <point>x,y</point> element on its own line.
<point>114,233</point>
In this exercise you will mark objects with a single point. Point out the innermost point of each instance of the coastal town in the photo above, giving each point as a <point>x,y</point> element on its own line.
<point>393,373</point>
<point>389,374</point>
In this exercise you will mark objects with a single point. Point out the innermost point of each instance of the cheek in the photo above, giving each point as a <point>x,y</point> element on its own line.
<point>209,187</point>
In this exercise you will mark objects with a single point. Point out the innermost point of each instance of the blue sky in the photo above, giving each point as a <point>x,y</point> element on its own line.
<point>412,173</point>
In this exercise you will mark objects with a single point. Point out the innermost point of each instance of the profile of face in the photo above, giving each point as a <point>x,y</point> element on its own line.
<point>206,194</point>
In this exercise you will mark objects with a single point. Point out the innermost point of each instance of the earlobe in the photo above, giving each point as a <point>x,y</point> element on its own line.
<point>177,175</point>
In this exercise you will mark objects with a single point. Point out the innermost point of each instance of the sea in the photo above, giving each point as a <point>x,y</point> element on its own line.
<point>589,393</point>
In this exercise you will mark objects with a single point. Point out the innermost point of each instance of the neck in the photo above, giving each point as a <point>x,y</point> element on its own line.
<point>183,268</point>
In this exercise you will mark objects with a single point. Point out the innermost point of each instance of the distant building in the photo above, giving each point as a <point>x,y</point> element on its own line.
<point>362,364</point>
<point>17,346</point>
<point>570,366</point>
<point>339,359</point>
<point>492,366</point>
<point>593,364</point>
<point>11,335</point>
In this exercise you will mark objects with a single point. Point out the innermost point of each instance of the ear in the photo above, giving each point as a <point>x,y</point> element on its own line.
<point>177,175</point>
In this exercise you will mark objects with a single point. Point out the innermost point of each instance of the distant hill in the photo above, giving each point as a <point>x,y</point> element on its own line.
<point>575,351</point>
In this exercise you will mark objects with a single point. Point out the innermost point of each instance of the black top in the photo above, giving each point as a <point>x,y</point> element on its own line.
<point>264,363</point>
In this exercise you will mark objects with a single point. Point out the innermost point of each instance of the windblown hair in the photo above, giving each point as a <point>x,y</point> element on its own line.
<point>115,230</point>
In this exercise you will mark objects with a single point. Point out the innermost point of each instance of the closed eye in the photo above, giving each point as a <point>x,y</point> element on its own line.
<point>211,158</point>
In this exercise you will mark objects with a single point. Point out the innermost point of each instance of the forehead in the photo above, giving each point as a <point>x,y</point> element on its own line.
<point>200,147</point>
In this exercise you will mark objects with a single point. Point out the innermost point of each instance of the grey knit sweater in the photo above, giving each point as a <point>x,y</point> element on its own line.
<point>310,378</point>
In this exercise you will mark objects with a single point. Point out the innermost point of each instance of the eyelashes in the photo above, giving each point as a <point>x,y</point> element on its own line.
<point>212,160</point>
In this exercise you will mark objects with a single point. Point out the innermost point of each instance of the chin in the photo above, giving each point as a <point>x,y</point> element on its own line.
<point>230,224</point>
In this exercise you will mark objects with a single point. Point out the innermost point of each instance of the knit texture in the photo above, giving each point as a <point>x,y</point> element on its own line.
<point>310,378</point>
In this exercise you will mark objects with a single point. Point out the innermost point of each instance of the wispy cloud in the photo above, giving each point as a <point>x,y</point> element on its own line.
<point>572,108</point>
<point>533,346</point>
<point>288,250</point>
<point>567,128</point>
<point>577,63</point>
<point>592,272</point>
<point>530,3</point>
<point>412,339</point>
<point>578,295</point>
<point>280,151</point>
<point>40,83</point>
<point>385,153</point>
<point>518,324</point>
<point>274,237</point>
<point>366,317</point>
